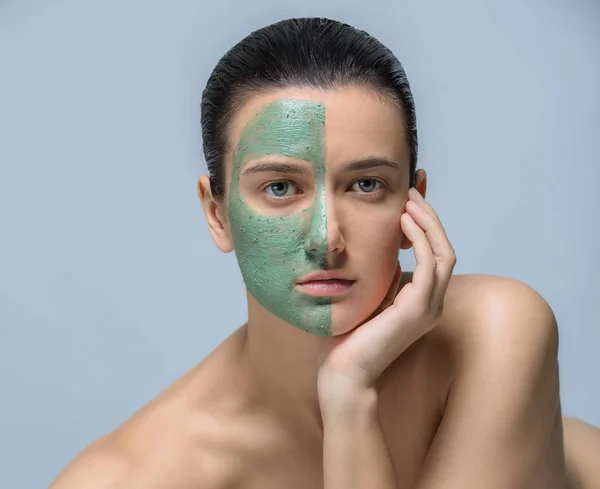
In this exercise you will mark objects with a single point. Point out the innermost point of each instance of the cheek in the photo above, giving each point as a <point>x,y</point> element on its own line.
<point>372,245</point>
<point>377,234</point>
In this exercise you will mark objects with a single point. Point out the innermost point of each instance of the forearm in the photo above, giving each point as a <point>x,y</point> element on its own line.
<point>355,454</point>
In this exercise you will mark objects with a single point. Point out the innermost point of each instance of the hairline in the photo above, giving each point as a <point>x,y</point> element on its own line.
<point>244,92</point>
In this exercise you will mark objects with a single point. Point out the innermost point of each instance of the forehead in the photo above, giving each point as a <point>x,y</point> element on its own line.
<point>354,123</point>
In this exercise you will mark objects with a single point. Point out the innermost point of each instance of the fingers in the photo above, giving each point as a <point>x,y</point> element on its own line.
<point>428,220</point>
<point>424,275</point>
<point>439,249</point>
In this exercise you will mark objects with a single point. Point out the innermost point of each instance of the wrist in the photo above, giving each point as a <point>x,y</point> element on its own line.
<point>339,394</point>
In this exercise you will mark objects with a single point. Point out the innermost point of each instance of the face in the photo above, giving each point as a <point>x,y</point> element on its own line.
<point>317,181</point>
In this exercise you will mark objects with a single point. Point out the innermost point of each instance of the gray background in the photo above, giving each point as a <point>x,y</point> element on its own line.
<point>110,287</point>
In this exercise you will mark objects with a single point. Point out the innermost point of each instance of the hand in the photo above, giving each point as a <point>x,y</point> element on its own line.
<point>406,314</point>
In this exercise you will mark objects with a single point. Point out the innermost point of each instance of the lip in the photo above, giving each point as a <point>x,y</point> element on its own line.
<point>323,275</point>
<point>324,283</point>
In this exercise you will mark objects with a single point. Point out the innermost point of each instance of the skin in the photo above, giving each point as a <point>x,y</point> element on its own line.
<point>471,401</point>
<point>274,247</point>
<point>357,226</point>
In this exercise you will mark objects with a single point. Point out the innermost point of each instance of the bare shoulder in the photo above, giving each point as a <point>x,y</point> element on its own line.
<point>478,304</point>
<point>177,441</point>
<point>489,312</point>
<point>99,466</point>
<point>105,464</point>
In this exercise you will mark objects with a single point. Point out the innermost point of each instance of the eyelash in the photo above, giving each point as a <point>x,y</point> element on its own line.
<point>382,186</point>
<point>270,184</point>
<point>381,183</point>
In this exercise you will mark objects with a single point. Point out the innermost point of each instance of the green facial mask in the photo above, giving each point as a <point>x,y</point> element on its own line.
<point>274,251</point>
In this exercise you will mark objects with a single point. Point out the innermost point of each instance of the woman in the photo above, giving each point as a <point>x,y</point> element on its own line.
<point>349,373</point>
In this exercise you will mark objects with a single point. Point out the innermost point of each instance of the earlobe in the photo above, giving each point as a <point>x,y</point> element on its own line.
<point>405,244</point>
<point>216,216</point>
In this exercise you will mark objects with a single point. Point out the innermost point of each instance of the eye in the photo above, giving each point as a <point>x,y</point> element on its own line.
<point>280,190</point>
<point>366,185</point>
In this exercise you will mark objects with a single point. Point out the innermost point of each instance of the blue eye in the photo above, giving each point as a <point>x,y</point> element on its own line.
<point>279,190</point>
<point>366,185</point>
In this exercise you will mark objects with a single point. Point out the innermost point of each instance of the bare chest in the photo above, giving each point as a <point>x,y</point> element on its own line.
<point>301,469</point>
<point>411,405</point>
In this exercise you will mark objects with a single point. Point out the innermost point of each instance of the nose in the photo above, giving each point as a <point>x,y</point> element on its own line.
<point>335,238</point>
<point>323,234</point>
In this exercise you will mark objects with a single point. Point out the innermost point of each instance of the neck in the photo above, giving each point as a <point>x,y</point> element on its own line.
<point>284,362</point>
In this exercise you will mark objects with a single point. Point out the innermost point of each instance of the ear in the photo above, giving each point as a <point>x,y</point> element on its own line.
<point>421,186</point>
<point>216,216</point>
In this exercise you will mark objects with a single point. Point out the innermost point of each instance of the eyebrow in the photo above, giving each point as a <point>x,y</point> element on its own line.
<point>367,163</point>
<point>291,168</point>
<point>276,167</point>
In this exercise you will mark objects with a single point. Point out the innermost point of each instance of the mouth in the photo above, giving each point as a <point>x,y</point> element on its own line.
<point>324,283</point>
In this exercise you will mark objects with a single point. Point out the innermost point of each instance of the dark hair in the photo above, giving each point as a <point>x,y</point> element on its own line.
<point>306,52</point>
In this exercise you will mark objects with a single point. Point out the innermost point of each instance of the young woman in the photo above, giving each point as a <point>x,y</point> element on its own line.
<point>349,372</point>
